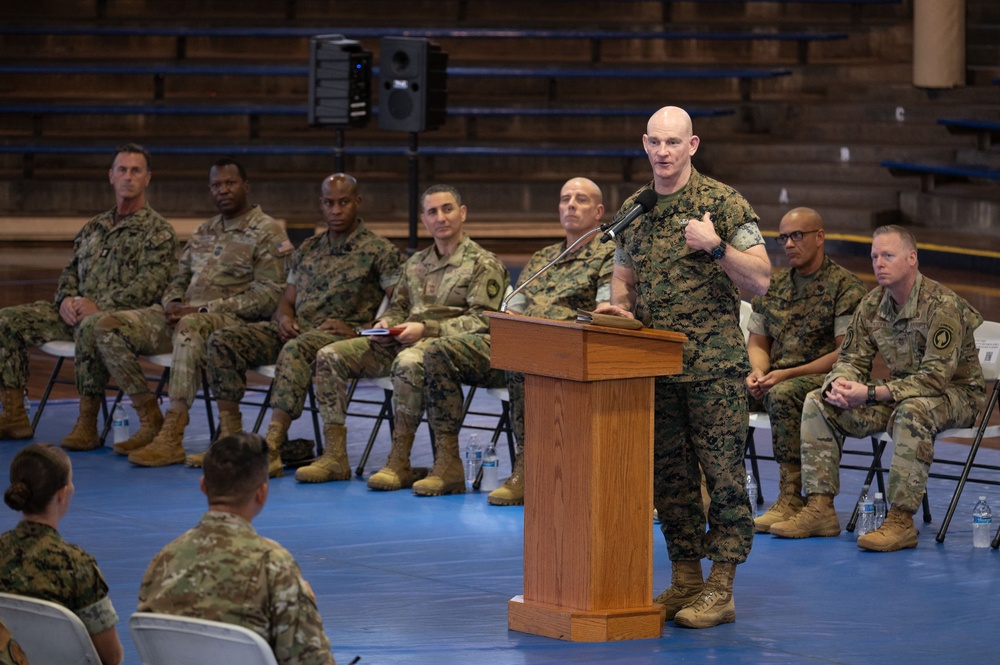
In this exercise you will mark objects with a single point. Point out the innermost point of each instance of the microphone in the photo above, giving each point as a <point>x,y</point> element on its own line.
<point>645,202</point>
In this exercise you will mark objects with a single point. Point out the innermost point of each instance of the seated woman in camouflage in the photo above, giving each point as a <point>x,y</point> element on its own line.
<point>34,559</point>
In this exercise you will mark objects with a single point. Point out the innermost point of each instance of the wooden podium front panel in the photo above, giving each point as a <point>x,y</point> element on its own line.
<point>588,493</point>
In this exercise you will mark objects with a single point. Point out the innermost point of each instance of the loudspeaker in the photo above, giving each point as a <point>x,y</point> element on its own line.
<point>413,84</point>
<point>340,82</point>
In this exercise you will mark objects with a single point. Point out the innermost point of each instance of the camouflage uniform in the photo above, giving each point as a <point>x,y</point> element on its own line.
<point>580,280</point>
<point>334,278</point>
<point>234,268</point>
<point>448,295</point>
<point>10,650</point>
<point>802,316</point>
<point>936,383</point>
<point>222,570</point>
<point>35,561</point>
<point>700,415</point>
<point>118,266</point>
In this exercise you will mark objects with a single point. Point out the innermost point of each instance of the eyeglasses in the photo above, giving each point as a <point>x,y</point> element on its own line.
<point>794,235</point>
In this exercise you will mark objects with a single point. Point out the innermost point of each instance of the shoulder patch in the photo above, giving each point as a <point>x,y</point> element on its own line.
<point>848,339</point>
<point>492,288</point>
<point>942,338</point>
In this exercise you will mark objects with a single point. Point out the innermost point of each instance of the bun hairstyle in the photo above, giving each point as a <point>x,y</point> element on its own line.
<point>37,472</point>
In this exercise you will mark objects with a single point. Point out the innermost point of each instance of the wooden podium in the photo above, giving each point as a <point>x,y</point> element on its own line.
<point>588,504</point>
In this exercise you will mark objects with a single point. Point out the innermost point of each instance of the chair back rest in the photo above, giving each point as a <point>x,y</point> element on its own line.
<point>167,639</point>
<point>746,309</point>
<point>988,343</point>
<point>49,633</point>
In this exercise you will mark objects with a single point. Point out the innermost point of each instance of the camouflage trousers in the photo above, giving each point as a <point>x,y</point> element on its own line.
<point>702,423</point>
<point>232,351</point>
<point>783,404</point>
<point>515,388</point>
<point>448,363</point>
<point>360,357</point>
<point>33,324</point>
<point>124,336</point>
<point>911,423</point>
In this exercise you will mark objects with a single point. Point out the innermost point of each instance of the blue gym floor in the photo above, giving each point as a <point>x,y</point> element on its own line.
<point>405,579</point>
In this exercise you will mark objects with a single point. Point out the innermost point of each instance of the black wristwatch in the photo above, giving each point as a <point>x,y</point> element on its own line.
<point>871,396</point>
<point>719,251</point>
<point>203,309</point>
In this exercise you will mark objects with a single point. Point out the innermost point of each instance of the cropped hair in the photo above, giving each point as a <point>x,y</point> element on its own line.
<point>440,189</point>
<point>37,472</point>
<point>134,148</point>
<point>901,231</point>
<point>229,161</point>
<point>234,467</point>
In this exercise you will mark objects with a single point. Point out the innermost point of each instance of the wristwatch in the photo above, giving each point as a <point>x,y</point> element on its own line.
<point>203,309</point>
<point>871,401</point>
<point>719,251</point>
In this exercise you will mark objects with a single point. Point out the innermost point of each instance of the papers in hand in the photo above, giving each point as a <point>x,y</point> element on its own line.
<point>607,320</point>
<point>382,331</point>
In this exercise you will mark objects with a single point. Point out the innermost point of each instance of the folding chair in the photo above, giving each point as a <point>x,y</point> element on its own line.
<point>165,360</point>
<point>63,350</point>
<point>47,632</point>
<point>166,639</point>
<point>269,371</point>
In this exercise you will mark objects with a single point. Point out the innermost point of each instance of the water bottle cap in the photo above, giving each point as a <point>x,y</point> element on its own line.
<point>982,498</point>
<point>878,495</point>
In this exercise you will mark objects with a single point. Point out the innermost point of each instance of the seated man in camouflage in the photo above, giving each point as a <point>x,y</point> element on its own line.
<point>925,333</point>
<point>231,271</point>
<point>580,280</point>
<point>444,291</point>
<point>122,258</point>
<point>335,282</point>
<point>795,331</point>
<point>222,570</point>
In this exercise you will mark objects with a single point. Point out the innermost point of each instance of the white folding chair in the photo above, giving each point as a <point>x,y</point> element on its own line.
<point>48,632</point>
<point>166,639</point>
<point>62,350</point>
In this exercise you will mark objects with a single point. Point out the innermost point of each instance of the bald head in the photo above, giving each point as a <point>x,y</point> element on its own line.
<point>340,201</point>
<point>581,206</point>
<point>670,143</point>
<point>801,238</point>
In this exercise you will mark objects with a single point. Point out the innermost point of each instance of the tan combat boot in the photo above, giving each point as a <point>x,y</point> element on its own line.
<point>150,422</point>
<point>686,586</point>
<point>448,474</point>
<point>511,493</point>
<point>14,422</point>
<point>715,606</point>
<point>230,422</point>
<point>333,464</point>
<point>818,518</point>
<point>275,437</point>
<point>168,447</point>
<point>896,533</point>
<point>789,501</point>
<point>396,474</point>
<point>84,435</point>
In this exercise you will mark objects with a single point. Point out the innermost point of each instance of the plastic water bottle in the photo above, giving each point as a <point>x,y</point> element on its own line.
<point>490,463</point>
<point>473,458</point>
<point>119,423</point>
<point>982,523</point>
<point>752,495</point>
<point>866,513</point>
<point>879,509</point>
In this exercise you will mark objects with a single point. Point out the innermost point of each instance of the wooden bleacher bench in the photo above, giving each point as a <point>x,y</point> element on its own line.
<point>159,72</point>
<point>594,37</point>
<point>932,173</point>
<point>985,130</point>
<point>39,110</point>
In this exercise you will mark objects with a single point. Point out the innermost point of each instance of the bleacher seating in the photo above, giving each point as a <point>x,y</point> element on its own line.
<point>985,130</point>
<point>933,173</point>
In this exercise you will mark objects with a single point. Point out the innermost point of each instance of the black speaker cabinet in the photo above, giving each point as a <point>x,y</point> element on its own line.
<point>413,84</point>
<point>340,82</point>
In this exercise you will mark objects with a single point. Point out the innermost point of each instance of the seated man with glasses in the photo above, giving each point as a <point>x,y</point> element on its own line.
<point>795,333</point>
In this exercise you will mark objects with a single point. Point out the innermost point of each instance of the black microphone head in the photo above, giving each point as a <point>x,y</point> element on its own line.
<point>647,199</point>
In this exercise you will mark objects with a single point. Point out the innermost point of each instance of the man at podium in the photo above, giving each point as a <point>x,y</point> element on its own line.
<point>680,267</point>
